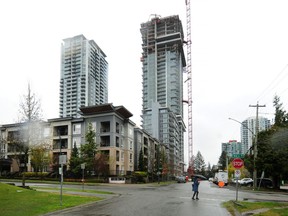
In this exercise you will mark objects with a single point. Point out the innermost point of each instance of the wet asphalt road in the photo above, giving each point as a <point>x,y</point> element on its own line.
<point>171,200</point>
<point>144,200</point>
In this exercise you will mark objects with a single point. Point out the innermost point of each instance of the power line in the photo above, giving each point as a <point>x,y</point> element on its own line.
<point>270,87</point>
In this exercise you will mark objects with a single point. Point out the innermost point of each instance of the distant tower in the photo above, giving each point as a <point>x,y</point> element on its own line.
<point>163,62</point>
<point>248,131</point>
<point>232,147</point>
<point>84,75</point>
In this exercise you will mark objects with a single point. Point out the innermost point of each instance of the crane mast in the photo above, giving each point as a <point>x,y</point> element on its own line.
<point>189,86</point>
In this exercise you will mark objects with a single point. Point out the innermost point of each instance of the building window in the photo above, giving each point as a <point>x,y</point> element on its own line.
<point>77,129</point>
<point>122,156</point>
<point>131,145</point>
<point>121,130</point>
<point>130,132</point>
<point>76,142</point>
<point>104,141</point>
<point>122,170</point>
<point>105,127</point>
<point>131,158</point>
<point>94,126</point>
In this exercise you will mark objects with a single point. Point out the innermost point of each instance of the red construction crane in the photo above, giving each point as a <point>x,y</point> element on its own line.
<point>189,85</point>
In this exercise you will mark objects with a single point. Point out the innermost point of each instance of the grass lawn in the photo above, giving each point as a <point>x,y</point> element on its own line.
<point>16,201</point>
<point>269,208</point>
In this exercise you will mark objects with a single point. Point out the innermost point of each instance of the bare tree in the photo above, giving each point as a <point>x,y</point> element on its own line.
<point>152,162</point>
<point>40,158</point>
<point>30,107</point>
<point>30,129</point>
<point>101,164</point>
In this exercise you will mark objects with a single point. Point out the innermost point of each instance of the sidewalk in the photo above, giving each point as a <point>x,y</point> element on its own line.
<point>95,194</point>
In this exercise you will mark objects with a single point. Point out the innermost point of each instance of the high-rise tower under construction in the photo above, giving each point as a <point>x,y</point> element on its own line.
<point>163,62</point>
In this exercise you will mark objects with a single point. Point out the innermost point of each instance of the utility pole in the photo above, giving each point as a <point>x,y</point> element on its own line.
<point>255,144</point>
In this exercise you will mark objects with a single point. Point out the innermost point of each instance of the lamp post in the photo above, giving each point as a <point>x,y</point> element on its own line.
<point>83,168</point>
<point>158,160</point>
<point>254,141</point>
<point>60,168</point>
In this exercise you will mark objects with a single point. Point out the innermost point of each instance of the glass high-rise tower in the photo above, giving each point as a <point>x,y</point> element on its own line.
<point>249,130</point>
<point>84,75</point>
<point>163,64</point>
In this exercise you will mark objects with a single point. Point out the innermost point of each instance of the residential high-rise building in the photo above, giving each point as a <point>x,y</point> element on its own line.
<point>232,147</point>
<point>84,75</point>
<point>163,63</point>
<point>249,130</point>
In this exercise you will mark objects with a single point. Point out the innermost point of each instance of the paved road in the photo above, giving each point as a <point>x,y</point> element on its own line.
<point>143,200</point>
<point>175,199</point>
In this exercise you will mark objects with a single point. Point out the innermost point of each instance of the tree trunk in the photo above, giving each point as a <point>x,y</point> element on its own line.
<point>23,179</point>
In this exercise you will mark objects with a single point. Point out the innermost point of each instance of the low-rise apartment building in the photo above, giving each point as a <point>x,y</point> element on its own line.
<point>114,136</point>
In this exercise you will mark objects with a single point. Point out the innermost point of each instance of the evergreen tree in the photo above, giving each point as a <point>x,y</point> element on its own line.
<point>209,171</point>
<point>280,114</point>
<point>273,154</point>
<point>272,145</point>
<point>199,164</point>
<point>222,161</point>
<point>141,161</point>
<point>89,149</point>
<point>75,162</point>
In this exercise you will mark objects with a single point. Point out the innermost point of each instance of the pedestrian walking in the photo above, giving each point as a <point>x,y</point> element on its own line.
<point>195,188</point>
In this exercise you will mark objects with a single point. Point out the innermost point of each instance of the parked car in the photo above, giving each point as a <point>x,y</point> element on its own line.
<point>246,182</point>
<point>265,183</point>
<point>234,180</point>
<point>181,179</point>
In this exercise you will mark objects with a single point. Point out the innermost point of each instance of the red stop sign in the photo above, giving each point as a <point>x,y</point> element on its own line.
<point>237,163</point>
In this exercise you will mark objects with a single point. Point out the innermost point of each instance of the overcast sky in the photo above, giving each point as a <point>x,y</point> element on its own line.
<point>239,57</point>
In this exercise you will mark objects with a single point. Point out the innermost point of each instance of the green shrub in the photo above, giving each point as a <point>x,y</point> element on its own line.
<point>35,174</point>
<point>139,177</point>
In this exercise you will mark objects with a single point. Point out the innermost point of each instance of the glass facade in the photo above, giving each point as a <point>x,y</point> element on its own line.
<point>84,76</point>
<point>163,64</point>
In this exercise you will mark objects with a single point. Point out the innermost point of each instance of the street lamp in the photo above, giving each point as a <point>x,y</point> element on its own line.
<point>61,167</point>
<point>83,168</point>
<point>255,151</point>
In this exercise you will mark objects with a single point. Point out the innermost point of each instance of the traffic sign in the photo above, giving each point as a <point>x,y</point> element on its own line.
<point>237,173</point>
<point>62,159</point>
<point>237,163</point>
<point>237,155</point>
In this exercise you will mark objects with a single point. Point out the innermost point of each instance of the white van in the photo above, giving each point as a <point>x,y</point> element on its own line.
<point>221,176</point>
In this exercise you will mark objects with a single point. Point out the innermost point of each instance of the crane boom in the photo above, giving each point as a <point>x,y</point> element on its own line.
<point>189,85</point>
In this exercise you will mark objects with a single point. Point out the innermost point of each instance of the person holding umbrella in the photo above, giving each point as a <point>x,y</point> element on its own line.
<point>195,187</point>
